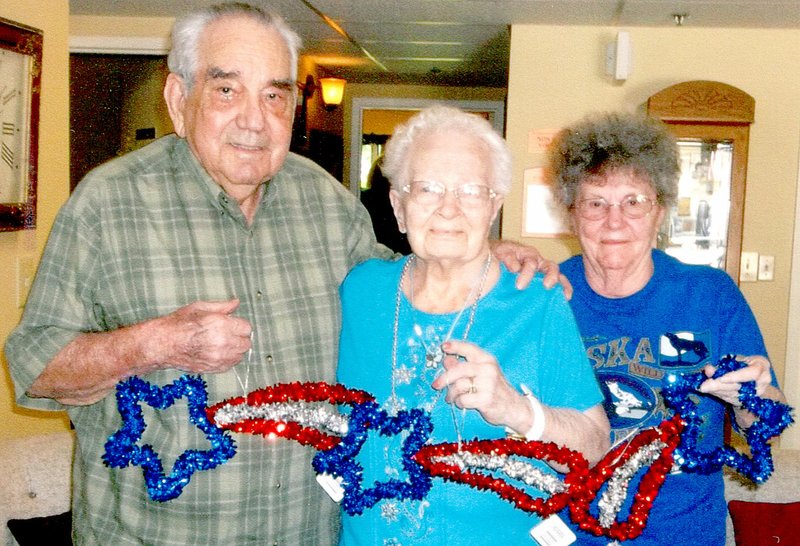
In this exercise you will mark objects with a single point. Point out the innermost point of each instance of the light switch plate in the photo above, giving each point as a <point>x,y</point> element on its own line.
<point>748,270</point>
<point>766,268</point>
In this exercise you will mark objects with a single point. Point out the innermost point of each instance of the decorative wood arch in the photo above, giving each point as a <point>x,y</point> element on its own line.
<point>715,111</point>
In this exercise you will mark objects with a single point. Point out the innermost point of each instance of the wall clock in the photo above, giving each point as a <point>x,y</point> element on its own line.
<point>20,83</point>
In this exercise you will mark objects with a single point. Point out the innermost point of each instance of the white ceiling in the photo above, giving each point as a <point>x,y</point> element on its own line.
<point>463,41</point>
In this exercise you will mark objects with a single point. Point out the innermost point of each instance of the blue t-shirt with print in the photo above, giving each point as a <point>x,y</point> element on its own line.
<point>686,316</point>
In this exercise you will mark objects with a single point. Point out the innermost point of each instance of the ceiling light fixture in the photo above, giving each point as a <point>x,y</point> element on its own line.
<point>679,18</point>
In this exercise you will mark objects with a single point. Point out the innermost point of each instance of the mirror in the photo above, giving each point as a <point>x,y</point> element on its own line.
<point>696,230</point>
<point>711,121</point>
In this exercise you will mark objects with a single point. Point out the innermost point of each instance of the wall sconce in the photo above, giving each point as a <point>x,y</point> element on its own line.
<point>332,90</point>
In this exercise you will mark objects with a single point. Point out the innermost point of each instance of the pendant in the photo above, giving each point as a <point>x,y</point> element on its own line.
<point>434,357</point>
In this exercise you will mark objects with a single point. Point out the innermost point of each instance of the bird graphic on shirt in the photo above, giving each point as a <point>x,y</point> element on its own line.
<point>684,346</point>
<point>626,404</point>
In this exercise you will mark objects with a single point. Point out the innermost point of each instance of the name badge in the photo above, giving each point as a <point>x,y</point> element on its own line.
<point>552,532</point>
<point>332,486</point>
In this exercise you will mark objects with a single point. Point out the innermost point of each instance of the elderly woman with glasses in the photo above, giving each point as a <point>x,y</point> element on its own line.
<point>445,330</point>
<point>643,314</point>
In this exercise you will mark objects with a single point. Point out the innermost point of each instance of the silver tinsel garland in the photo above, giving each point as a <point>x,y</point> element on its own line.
<point>307,414</point>
<point>515,469</point>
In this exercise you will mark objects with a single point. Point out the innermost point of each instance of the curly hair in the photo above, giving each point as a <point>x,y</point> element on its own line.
<point>600,144</point>
<point>188,29</point>
<point>445,119</point>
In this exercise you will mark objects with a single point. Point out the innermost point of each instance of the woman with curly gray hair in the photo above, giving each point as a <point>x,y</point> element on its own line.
<point>643,314</point>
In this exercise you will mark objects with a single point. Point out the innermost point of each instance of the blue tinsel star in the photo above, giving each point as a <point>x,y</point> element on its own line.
<point>773,418</point>
<point>122,449</point>
<point>341,460</point>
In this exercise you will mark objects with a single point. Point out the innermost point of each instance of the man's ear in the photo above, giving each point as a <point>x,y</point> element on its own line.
<point>397,207</point>
<point>175,97</point>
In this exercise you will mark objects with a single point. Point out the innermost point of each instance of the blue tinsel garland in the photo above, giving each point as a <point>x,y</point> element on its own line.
<point>122,447</point>
<point>773,418</point>
<point>340,461</point>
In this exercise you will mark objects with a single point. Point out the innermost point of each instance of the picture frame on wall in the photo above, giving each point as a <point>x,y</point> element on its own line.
<point>20,89</point>
<point>542,214</point>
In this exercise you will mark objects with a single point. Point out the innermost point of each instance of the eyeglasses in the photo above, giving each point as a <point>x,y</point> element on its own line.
<point>427,193</point>
<point>632,206</point>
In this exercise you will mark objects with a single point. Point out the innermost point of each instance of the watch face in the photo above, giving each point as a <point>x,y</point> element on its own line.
<point>14,138</point>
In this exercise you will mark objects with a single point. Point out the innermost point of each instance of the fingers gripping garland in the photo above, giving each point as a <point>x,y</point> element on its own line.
<point>774,417</point>
<point>304,412</point>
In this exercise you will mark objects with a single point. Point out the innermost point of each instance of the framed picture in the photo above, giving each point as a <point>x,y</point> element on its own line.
<point>542,215</point>
<point>20,85</point>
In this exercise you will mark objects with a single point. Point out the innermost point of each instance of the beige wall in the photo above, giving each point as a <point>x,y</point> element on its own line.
<point>557,76</point>
<point>157,28</point>
<point>51,17</point>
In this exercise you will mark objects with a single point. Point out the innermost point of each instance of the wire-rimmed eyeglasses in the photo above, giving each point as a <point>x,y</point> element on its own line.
<point>633,206</point>
<point>424,192</point>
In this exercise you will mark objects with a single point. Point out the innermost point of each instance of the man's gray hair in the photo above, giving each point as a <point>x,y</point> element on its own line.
<point>188,29</point>
<point>446,119</point>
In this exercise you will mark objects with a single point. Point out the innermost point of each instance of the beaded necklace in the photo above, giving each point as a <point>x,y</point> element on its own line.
<point>435,355</point>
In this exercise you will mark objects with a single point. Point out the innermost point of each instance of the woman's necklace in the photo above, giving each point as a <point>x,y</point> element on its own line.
<point>248,359</point>
<point>433,355</point>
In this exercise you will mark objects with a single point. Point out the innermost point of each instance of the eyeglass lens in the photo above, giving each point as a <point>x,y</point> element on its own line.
<point>430,193</point>
<point>632,206</point>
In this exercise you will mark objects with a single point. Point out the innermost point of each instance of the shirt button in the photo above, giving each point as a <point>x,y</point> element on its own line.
<point>259,294</point>
<point>278,485</point>
<point>269,359</point>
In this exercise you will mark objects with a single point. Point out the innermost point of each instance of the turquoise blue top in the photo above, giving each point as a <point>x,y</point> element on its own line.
<point>533,335</point>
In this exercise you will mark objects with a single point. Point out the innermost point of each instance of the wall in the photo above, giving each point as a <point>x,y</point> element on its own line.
<point>51,17</point>
<point>557,76</point>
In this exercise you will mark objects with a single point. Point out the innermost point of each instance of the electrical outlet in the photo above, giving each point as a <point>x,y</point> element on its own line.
<point>748,269</point>
<point>766,267</point>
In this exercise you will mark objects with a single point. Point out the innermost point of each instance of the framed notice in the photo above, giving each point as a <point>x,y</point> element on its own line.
<point>20,82</point>
<point>542,215</point>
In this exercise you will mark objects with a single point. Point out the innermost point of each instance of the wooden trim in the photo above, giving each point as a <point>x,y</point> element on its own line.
<point>131,45</point>
<point>702,101</point>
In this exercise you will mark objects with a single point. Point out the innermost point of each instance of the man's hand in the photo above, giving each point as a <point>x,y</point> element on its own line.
<point>203,337</point>
<point>527,261</point>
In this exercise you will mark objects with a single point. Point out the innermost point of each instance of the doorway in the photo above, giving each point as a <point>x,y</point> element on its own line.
<point>116,106</point>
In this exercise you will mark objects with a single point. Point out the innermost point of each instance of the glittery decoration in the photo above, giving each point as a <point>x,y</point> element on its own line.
<point>122,449</point>
<point>653,449</point>
<point>454,462</point>
<point>304,412</point>
<point>341,460</point>
<point>773,418</point>
<point>287,410</point>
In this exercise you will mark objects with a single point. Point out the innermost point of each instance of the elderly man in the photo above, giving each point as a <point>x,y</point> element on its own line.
<point>213,251</point>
